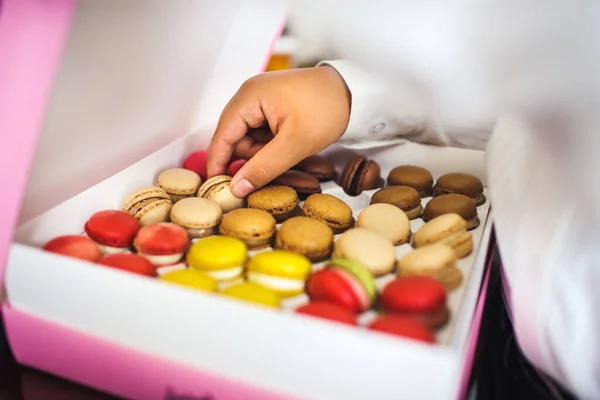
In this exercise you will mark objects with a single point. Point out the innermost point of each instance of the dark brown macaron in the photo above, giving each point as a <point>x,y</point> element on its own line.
<point>452,203</point>
<point>404,197</point>
<point>360,174</point>
<point>409,175</point>
<point>318,166</point>
<point>304,184</point>
<point>460,183</point>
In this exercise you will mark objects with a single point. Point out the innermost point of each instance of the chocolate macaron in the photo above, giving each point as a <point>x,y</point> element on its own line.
<point>409,175</point>
<point>318,166</point>
<point>404,197</point>
<point>452,203</point>
<point>329,209</point>
<point>460,183</point>
<point>279,201</point>
<point>304,184</point>
<point>360,174</point>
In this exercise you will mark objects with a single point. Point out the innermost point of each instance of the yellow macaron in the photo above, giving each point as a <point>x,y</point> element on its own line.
<point>253,293</point>
<point>192,279</point>
<point>281,271</point>
<point>221,257</point>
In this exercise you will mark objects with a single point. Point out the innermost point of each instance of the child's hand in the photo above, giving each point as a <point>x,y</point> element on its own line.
<point>306,109</point>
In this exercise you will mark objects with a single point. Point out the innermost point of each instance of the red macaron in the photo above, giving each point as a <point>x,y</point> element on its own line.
<point>340,287</point>
<point>162,243</point>
<point>130,263</point>
<point>112,228</point>
<point>75,246</point>
<point>235,166</point>
<point>329,311</point>
<point>421,297</point>
<point>406,327</point>
<point>197,162</point>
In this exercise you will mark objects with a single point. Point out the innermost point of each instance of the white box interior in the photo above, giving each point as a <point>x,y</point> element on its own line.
<point>157,73</point>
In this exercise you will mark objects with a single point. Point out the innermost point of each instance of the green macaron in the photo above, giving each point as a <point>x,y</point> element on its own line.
<point>357,269</point>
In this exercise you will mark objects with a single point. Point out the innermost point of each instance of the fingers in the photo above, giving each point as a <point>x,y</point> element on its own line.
<point>247,148</point>
<point>276,157</point>
<point>242,113</point>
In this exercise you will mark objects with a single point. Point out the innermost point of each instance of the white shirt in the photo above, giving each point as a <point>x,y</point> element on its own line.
<point>441,72</point>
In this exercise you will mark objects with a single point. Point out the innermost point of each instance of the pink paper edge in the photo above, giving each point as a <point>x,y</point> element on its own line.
<point>474,332</point>
<point>273,43</point>
<point>113,368</point>
<point>32,37</point>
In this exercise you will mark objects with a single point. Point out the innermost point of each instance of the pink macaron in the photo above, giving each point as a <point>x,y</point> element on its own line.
<point>406,327</point>
<point>235,166</point>
<point>163,243</point>
<point>74,246</point>
<point>197,162</point>
<point>329,311</point>
<point>112,230</point>
<point>130,263</point>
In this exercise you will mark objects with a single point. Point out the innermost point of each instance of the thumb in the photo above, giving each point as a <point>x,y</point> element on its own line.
<point>279,155</point>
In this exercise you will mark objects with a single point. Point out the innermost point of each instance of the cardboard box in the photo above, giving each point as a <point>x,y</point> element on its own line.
<point>110,93</point>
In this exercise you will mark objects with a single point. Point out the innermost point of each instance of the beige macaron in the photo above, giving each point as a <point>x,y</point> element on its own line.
<point>254,227</point>
<point>199,217</point>
<point>179,183</point>
<point>148,205</point>
<point>438,261</point>
<point>218,189</point>
<point>387,220</point>
<point>448,229</point>
<point>376,252</point>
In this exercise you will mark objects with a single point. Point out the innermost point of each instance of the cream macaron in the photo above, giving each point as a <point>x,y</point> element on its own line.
<point>179,183</point>
<point>148,205</point>
<point>375,252</point>
<point>218,189</point>
<point>387,220</point>
<point>438,261</point>
<point>199,217</point>
<point>448,229</point>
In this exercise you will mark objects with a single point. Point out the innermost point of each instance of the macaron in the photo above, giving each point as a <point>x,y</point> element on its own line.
<point>460,183</point>
<point>452,203</point>
<point>304,184</point>
<point>360,174</point>
<point>438,261</point>
<point>387,220</point>
<point>218,189</point>
<point>374,251</point>
<point>235,166</point>
<point>221,257</point>
<point>191,278</point>
<point>148,205</point>
<point>199,217</point>
<point>197,162</point>
<point>254,227</point>
<point>282,271</point>
<point>129,262</point>
<point>329,209</point>
<point>112,230</point>
<point>303,235</point>
<point>74,246</point>
<point>163,243</point>
<point>404,197</point>
<point>253,293</point>
<point>405,327</point>
<point>420,297</point>
<point>344,282</point>
<point>179,183</point>
<point>279,201</point>
<point>328,311</point>
<point>318,166</point>
<point>417,178</point>
<point>448,229</point>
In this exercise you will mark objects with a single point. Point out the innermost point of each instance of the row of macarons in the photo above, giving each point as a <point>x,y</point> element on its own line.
<point>340,291</point>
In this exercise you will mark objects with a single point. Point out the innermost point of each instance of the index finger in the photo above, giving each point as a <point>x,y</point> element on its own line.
<point>235,120</point>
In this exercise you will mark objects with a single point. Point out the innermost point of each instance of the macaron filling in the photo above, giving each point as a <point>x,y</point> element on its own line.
<point>276,282</point>
<point>163,259</point>
<point>198,233</point>
<point>108,250</point>
<point>226,274</point>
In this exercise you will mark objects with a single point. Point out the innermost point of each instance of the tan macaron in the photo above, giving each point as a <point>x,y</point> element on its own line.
<point>254,227</point>
<point>279,201</point>
<point>218,189</point>
<point>179,183</point>
<point>198,216</point>
<point>387,220</point>
<point>438,261</point>
<point>148,205</point>
<point>329,209</point>
<point>448,229</point>
<point>376,252</point>
<point>307,236</point>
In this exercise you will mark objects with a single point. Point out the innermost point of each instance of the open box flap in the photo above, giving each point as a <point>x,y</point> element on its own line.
<point>132,77</point>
